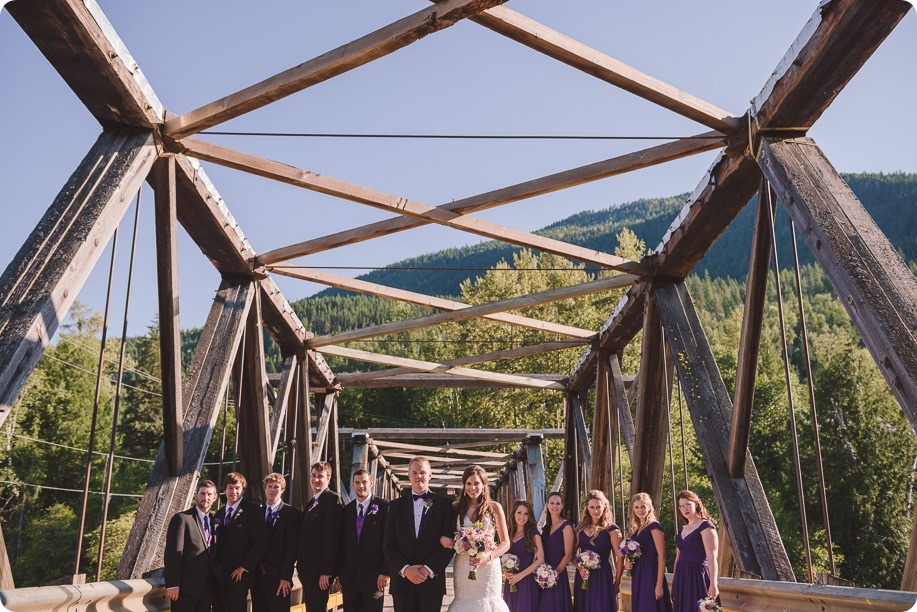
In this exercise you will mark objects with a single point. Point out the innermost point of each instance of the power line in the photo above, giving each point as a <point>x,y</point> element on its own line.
<point>27,484</point>
<point>457,136</point>
<point>430,268</point>
<point>111,380</point>
<point>85,348</point>
<point>82,450</point>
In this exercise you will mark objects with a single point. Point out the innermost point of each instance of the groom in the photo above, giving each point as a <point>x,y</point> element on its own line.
<point>411,543</point>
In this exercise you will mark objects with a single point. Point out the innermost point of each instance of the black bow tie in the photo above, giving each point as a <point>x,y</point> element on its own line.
<point>423,496</point>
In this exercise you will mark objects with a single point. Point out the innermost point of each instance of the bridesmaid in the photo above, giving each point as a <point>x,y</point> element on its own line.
<point>557,537</point>
<point>525,543</point>
<point>649,589</point>
<point>696,570</point>
<point>598,532</point>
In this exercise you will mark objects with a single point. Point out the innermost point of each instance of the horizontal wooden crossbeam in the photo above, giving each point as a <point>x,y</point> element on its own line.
<point>484,437</point>
<point>420,448</point>
<point>445,381</point>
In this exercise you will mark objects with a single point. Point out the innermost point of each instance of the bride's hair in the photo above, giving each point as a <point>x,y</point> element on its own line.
<point>485,506</point>
<point>605,521</point>
<point>529,530</point>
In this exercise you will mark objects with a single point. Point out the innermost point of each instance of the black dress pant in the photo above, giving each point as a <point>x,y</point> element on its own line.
<point>316,599</point>
<point>235,594</point>
<point>417,601</point>
<point>358,596</point>
<point>264,594</point>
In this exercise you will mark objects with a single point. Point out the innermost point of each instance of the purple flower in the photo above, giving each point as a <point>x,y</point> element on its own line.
<point>373,509</point>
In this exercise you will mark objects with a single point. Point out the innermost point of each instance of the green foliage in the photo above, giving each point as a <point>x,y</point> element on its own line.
<point>48,545</point>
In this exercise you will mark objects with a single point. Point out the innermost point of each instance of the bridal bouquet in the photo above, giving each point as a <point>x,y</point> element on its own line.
<point>545,576</point>
<point>630,550</point>
<point>510,565</point>
<point>708,604</point>
<point>588,560</point>
<point>474,541</point>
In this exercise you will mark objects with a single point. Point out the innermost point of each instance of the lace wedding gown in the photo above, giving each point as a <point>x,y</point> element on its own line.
<point>484,594</point>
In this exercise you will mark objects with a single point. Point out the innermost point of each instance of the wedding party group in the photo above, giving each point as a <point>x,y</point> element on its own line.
<point>217,560</point>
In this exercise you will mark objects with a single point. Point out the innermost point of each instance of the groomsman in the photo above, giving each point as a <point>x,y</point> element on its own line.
<point>241,541</point>
<point>414,525</point>
<point>363,574</point>
<point>274,579</point>
<point>191,581</point>
<point>319,539</point>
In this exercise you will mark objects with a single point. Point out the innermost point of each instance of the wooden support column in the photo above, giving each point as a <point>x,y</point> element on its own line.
<point>602,445</point>
<point>535,463</point>
<point>282,405</point>
<point>321,449</point>
<point>163,181</point>
<point>254,424</point>
<point>6,573</point>
<point>334,450</point>
<point>40,284</point>
<point>648,465</point>
<point>875,285</point>
<point>622,402</point>
<point>204,388</point>
<point>753,533</point>
<point>582,438</point>
<point>909,578</point>
<point>571,467</point>
<point>750,340</point>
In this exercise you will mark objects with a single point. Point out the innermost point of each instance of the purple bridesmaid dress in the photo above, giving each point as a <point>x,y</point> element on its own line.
<point>645,572</point>
<point>525,599</point>
<point>692,576</point>
<point>600,596</point>
<point>556,599</point>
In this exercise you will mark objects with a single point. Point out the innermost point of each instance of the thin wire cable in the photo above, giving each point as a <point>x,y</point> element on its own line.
<point>684,451</point>
<point>455,136</point>
<point>429,268</point>
<point>111,380</point>
<point>87,349</point>
<point>668,419</point>
<point>49,488</point>
<point>82,450</point>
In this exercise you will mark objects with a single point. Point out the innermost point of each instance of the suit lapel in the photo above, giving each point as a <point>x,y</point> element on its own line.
<point>425,517</point>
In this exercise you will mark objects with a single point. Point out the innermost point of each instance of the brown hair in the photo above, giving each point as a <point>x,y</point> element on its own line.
<point>275,477</point>
<point>605,521</point>
<point>206,484</point>
<point>235,478</point>
<point>548,519</point>
<point>360,472</point>
<point>635,523</point>
<point>691,496</point>
<point>463,502</point>
<point>529,530</point>
<point>323,466</point>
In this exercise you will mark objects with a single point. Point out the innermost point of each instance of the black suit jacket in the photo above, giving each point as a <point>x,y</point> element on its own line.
<point>243,541</point>
<point>187,561</point>
<point>402,547</point>
<point>362,560</point>
<point>284,535</point>
<point>320,537</point>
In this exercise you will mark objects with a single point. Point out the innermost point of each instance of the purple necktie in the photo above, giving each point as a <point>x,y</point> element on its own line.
<point>228,515</point>
<point>360,518</point>
<point>207,536</point>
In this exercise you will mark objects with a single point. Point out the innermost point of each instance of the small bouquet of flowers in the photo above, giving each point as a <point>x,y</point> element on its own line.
<point>545,576</point>
<point>708,604</point>
<point>630,550</point>
<point>473,541</point>
<point>588,560</point>
<point>510,565</point>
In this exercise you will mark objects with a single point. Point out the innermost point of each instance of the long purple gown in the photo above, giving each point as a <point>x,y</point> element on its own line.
<point>556,599</point>
<point>525,599</point>
<point>600,596</point>
<point>692,576</point>
<point>646,570</point>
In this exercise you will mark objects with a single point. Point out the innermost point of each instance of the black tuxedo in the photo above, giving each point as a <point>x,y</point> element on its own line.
<point>319,541</point>
<point>188,563</point>
<point>241,542</point>
<point>362,559</point>
<point>402,547</point>
<point>277,563</point>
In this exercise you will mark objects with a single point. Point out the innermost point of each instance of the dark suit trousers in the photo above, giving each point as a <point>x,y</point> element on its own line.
<point>359,598</point>
<point>316,599</point>
<point>264,595</point>
<point>235,594</point>
<point>417,601</point>
<point>204,603</point>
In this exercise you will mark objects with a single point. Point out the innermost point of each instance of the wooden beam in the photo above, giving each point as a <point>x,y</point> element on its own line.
<point>524,301</point>
<point>481,436</point>
<point>753,533</point>
<point>750,339</point>
<point>582,437</point>
<point>874,284</point>
<point>317,70</point>
<point>536,475</point>
<point>653,395</point>
<point>562,48</point>
<point>163,180</point>
<point>436,460</point>
<point>282,403</point>
<point>354,379</point>
<point>255,441</point>
<point>367,288</point>
<point>446,381</point>
<point>6,572</point>
<point>320,446</point>
<point>429,366</point>
<point>909,575</point>
<point>302,448</point>
<point>614,166</point>
<point>321,183</point>
<point>419,448</point>
<point>622,402</point>
<point>40,284</point>
<point>204,388</point>
<point>602,428</point>
<point>80,43</point>
<point>571,464</point>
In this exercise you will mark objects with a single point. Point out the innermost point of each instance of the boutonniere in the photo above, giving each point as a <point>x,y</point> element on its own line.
<point>427,503</point>
<point>373,509</point>
<point>314,506</point>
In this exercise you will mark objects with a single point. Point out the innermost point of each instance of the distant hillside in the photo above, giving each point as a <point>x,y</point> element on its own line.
<point>891,199</point>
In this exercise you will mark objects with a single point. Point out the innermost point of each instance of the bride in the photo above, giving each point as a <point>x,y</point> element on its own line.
<point>474,505</point>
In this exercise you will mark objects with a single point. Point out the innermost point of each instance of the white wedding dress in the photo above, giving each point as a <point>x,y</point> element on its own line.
<point>484,594</point>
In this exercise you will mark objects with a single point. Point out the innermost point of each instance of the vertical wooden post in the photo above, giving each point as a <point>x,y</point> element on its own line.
<point>622,403</point>
<point>254,425</point>
<point>582,438</point>
<point>571,467</point>
<point>282,409</point>
<point>601,427</point>
<point>6,572</point>
<point>302,447</point>
<point>360,442</point>
<point>334,441</point>
<point>535,463</point>
<point>166,205</point>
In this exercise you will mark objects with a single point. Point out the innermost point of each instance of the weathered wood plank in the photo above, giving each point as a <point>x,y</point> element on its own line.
<point>743,505</point>
<point>614,166</point>
<point>622,402</point>
<point>411,297</point>
<point>6,572</point>
<point>282,402</point>
<point>420,448</point>
<point>481,437</point>
<point>321,183</point>
<point>874,284</point>
<point>750,339</point>
<point>163,180</point>
<point>909,576</point>
<point>338,61</point>
<point>535,470</point>
<point>80,43</point>
<point>602,428</point>
<point>300,489</point>
<point>571,463</point>
<point>582,437</point>
<point>47,273</point>
<point>320,446</point>
<point>524,301</point>
<point>205,386</point>
<point>445,381</point>
<point>573,53</point>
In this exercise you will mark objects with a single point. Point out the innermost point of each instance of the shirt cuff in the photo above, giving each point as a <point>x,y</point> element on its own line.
<point>401,573</point>
<point>432,574</point>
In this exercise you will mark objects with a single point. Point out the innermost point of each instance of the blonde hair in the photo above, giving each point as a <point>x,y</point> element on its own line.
<point>605,521</point>
<point>635,524</point>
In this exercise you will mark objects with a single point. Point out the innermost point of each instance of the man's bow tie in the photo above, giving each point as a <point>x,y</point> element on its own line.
<point>423,496</point>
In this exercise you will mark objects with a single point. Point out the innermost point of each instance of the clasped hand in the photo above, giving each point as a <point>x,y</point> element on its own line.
<point>417,574</point>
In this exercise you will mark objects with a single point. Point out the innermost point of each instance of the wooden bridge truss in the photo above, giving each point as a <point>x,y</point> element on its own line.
<point>764,146</point>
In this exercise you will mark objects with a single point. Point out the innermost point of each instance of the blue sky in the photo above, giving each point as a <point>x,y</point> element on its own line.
<point>464,80</point>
